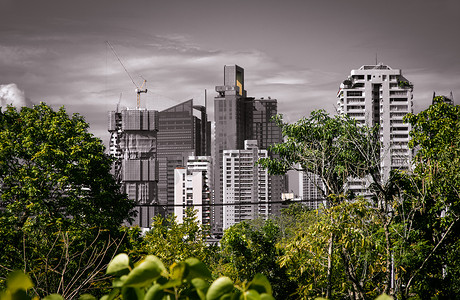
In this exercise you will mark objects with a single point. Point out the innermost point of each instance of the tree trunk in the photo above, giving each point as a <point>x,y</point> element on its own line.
<point>388,277</point>
<point>329,267</point>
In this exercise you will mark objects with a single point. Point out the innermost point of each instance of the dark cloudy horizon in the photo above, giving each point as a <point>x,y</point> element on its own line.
<point>295,51</point>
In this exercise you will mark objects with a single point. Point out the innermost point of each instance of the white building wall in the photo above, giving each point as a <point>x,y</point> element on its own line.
<point>380,95</point>
<point>189,189</point>
<point>310,190</point>
<point>244,182</point>
<point>179,193</point>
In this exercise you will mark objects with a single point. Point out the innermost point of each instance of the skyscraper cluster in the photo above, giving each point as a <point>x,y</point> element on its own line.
<point>164,160</point>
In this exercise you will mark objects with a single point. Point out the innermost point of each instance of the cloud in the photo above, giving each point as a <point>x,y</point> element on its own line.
<point>10,94</point>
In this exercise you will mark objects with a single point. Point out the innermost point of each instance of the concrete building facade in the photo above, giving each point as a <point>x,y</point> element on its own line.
<point>192,188</point>
<point>311,189</point>
<point>233,125</point>
<point>239,118</point>
<point>246,191</point>
<point>377,95</point>
<point>184,131</point>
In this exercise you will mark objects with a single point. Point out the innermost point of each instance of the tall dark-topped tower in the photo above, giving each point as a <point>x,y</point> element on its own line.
<point>239,118</point>
<point>233,121</point>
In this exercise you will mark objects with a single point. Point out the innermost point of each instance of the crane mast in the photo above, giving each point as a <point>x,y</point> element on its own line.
<point>139,91</point>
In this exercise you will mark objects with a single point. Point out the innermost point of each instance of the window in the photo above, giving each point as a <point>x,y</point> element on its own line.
<point>354,93</point>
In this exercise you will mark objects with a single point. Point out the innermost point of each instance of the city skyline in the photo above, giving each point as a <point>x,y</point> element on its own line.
<point>295,51</point>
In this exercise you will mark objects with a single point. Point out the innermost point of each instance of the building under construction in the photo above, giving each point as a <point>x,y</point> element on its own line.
<point>133,142</point>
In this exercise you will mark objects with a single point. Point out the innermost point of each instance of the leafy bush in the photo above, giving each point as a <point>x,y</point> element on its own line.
<point>149,279</point>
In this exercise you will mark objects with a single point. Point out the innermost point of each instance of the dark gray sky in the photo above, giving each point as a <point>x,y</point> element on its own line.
<point>295,51</point>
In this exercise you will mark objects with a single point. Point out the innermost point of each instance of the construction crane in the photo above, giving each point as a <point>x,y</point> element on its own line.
<point>138,89</point>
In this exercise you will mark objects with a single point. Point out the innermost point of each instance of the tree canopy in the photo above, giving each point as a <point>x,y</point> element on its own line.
<point>52,168</point>
<point>333,148</point>
<point>60,207</point>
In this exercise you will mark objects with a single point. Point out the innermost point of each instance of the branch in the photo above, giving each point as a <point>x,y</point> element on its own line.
<point>431,254</point>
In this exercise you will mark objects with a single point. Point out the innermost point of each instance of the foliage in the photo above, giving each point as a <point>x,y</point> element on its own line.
<point>404,84</point>
<point>149,279</point>
<point>291,220</point>
<point>433,193</point>
<point>248,248</point>
<point>51,169</point>
<point>321,145</point>
<point>171,241</point>
<point>60,206</point>
<point>358,268</point>
<point>333,148</point>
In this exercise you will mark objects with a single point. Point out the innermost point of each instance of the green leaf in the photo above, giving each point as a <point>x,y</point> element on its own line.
<point>201,287</point>
<point>178,270</point>
<point>17,280</point>
<point>113,294</point>
<point>171,283</point>
<point>119,265</point>
<point>132,293</point>
<point>261,284</point>
<point>146,272</point>
<point>155,292</point>
<point>197,269</point>
<point>384,297</point>
<point>119,282</point>
<point>219,287</point>
<point>19,295</point>
<point>53,297</point>
<point>265,296</point>
<point>87,297</point>
<point>250,295</point>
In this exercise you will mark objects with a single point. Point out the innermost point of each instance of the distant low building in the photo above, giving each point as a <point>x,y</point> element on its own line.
<point>311,189</point>
<point>192,189</point>
<point>447,99</point>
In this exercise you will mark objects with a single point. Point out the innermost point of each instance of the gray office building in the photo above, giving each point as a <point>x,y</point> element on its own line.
<point>183,131</point>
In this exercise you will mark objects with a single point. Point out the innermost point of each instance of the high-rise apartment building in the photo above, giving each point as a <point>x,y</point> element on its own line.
<point>183,131</point>
<point>245,183</point>
<point>267,133</point>
<point>377,95</point>
<point>311,189</point>
<point>133,142</point>
<point>192,189</point>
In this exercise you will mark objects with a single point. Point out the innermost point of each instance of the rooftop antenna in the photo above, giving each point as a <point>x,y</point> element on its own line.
<point>138,89</point>
<point>376,61</point>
